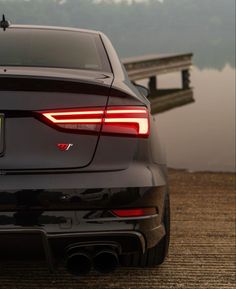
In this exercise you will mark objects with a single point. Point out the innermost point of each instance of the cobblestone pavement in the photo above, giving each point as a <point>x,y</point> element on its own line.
<point>202,252</point>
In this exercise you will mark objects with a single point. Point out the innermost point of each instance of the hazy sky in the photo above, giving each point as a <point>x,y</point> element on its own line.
<point>130,1</point>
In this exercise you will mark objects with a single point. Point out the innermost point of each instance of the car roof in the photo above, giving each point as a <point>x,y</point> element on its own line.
<point>57,28</point>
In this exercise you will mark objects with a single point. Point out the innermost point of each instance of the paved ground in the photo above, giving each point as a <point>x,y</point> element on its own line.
<point>202,252</point>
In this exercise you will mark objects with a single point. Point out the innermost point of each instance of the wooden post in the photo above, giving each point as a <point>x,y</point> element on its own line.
<point>185,79</point>
<point>152,84</point>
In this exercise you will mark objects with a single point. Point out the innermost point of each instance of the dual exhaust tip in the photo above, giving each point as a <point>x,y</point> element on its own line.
<point>81,262</point>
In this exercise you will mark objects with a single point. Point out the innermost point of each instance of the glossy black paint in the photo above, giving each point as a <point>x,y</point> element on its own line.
<point>74,211</point>
<point>2,134</point>
<point>59,199</point>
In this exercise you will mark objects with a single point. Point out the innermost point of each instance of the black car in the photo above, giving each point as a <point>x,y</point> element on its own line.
<point>83,177</point>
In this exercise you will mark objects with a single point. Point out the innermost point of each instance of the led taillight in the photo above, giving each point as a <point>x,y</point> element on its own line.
<point>136,212</point>
<point>133,121</point>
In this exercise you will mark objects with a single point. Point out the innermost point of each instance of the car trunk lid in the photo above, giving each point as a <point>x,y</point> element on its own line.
<point>31,144</point>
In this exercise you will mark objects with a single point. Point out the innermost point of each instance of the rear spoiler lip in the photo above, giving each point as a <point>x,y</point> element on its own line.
<point>24,80</point>
<point>62,74</point>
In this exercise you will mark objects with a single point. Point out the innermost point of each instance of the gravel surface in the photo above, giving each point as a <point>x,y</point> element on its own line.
<point>202,252</point>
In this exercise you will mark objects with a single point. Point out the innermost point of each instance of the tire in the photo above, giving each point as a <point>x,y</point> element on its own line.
<point>156,255</point>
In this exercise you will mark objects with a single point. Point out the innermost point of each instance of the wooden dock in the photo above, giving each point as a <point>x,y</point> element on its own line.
<point>151,66</point>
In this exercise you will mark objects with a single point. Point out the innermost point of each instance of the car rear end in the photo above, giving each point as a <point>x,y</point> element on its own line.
<point>82,173</point>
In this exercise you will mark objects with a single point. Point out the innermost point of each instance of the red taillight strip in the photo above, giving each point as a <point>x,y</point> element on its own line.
<point>132,121</point>
<point>141,122</point>
<point>111,111</point>
<point>137,212</point>
<point>87,120</point>
<point>75,117</point>
<point>133,116</point>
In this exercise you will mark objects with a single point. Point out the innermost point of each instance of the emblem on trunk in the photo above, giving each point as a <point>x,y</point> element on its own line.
<point>64,146</point>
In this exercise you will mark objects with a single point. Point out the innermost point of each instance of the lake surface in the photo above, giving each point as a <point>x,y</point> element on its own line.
<point>201,136</point>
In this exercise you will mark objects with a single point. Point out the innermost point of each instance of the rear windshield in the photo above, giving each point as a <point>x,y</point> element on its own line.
<point>52,48</point>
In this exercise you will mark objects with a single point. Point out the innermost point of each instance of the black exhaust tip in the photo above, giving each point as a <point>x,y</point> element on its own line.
<point>79,263</point>
<point>106,261</point>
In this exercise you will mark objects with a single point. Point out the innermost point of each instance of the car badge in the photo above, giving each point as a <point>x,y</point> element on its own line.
<point>64,146</point>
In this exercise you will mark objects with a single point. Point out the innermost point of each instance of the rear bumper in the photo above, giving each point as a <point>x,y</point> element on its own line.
<point>137,175</point>
<point>53,247</point>
<point>49,222</point>
<point>23,244</point>
<point>45,214</point>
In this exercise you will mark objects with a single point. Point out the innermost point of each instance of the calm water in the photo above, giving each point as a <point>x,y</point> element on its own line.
<point>201,136</point>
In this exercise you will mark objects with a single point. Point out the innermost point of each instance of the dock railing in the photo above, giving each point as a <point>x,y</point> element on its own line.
<point>151,66</point>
